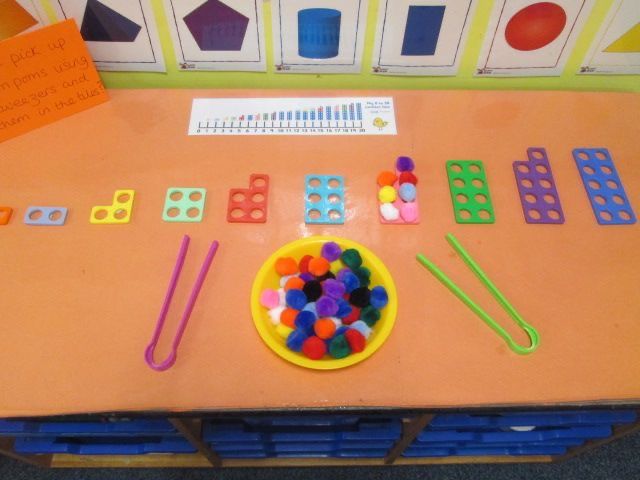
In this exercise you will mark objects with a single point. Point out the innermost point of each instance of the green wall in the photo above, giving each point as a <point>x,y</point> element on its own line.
<point>365,80</point>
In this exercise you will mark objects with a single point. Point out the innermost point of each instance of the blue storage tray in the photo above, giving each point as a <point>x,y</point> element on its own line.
<point>303,437</point>
<point>237,446</point>
<point>543,450</point>
<point>378,453</point>
<point>427,436</point>
<point>68,429</point>
<point>565,418</point>
<point>544,435</point>
<point>324,430</point>
<point>102,445</point>
<point>229,432</point>
<point>310,447</point>
<point>539,435</point>
<point>302,421</point>
<point>366,444</point>
<point>427,452</point>
<point>484,451</point>
<point>243,454</point>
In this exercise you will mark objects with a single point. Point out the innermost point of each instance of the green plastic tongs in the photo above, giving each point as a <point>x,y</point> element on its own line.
<point>457,291</point>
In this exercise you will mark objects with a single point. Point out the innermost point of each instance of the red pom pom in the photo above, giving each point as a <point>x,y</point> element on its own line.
<point>408,177</point>
<point>314,348</point>
<point>352,317</point>
<point>303,265</point>
<point>355,339</point>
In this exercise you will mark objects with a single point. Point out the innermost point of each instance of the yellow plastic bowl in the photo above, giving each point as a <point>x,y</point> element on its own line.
<point>268,278</point>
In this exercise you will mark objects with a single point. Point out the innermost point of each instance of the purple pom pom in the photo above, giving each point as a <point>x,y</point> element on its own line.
<point>404,164</point>
<point>306,276</point>
<point>326,307</point>
<point>331,251</point>
<point>333,288</point>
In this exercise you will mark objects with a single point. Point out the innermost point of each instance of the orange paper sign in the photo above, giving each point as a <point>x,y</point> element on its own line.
<point>45,75</point>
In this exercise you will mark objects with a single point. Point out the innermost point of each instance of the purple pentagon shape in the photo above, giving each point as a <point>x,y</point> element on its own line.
<point>217,27</point>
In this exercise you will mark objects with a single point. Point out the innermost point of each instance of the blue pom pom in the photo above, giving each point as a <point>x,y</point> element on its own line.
<point>344,309</point>
<point>296,299</point>
<point>311,307</point>
<point>341,330</point>
<point>407,192</point>
<point>379,297</point>
<point>341,273</point>
<point>296,339</point>
<point>404,164</point>
<point>350,280</point>
<point>305,321</point>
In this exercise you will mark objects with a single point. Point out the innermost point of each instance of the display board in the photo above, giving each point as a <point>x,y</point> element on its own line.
<point>367,79</point>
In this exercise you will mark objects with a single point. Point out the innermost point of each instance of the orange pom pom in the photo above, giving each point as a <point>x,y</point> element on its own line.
<point>319,266</point>
<point>387,178</point>
<point>286,266</point>
<point>324,328</point>
<point>294,282</point>
<point>288,317</point>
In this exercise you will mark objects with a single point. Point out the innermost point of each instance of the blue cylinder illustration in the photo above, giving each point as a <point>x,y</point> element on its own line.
<point>319,33</point>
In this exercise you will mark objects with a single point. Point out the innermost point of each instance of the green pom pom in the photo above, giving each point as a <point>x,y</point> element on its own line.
<point>351,258</point>
<point>339,347</point>
<point>364,275</point>
<point>370,315</point>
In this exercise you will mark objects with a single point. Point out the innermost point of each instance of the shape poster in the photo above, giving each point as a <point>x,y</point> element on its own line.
<point>217,34</point>
<point>528,38</point>
<point>121,34</point>
<point>421,37</point>
<point>319,36</point>
<point>20,16</point>
<point>616,48</point>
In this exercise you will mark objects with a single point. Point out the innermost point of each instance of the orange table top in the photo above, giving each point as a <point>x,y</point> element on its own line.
<point>79,303</point>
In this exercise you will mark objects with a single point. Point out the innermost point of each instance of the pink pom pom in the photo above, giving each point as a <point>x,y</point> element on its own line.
<point>409,212</point>
<point>269,298</point>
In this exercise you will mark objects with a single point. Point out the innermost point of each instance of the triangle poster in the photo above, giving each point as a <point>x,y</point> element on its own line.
<point>217,34</point>
<point>528,38</point>
<point>616,47</point>
<point>20,16</point>
<point>421,37</point>
<point>121,36</point>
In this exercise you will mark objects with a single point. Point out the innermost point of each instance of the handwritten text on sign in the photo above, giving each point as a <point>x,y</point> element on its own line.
<point>45,75</point>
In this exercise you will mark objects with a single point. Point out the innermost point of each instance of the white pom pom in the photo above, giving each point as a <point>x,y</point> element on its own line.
<point>362,327</point>
<point>274,314</point>
<point>389,212</point>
